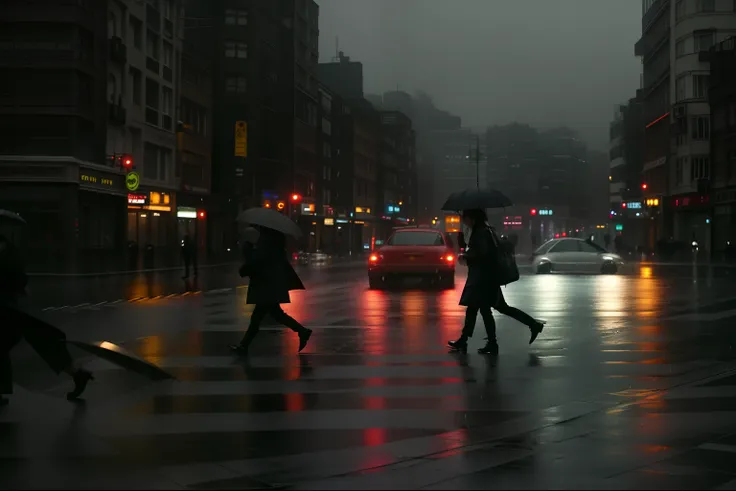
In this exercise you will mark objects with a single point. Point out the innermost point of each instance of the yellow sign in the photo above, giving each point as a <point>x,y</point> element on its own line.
<point>132,181</point>
<point>359,209</point>
<point>241,139</point>
<point>653,202</point>
<point>329,221</point>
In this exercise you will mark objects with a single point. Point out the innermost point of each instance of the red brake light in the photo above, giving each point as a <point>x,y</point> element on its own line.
<point>373,258</point>
<point>449,258</point>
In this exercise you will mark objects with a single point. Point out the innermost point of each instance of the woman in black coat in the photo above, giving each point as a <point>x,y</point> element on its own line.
<point>271,279</point>
<point>482,291</point>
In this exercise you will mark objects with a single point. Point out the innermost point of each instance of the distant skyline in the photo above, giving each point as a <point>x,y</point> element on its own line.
<point>545,63</point>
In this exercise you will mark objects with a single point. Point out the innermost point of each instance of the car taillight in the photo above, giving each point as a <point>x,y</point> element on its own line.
<point>373,258</point>
<point>449,258</point>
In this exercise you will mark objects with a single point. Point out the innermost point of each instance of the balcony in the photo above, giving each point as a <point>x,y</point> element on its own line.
<point>117,114</point>
<point>118,50</point>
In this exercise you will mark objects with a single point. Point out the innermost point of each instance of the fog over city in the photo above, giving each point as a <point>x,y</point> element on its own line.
<point>545,63</point>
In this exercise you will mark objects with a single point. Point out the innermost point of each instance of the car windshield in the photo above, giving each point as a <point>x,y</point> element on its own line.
<point>416,239</point>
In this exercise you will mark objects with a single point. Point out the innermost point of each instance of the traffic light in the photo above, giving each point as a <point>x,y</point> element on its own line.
<point>127,162</point>
<point>533,212</point>
<point>644,186</point>
<point>295,198</point>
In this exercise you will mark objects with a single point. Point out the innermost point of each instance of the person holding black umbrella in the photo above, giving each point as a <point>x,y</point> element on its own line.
<point>271,279</point>
<point>482,290</point>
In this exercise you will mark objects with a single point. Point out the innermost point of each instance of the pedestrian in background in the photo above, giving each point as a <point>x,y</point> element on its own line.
<point>189,255</point>
<point>48,341</point>
<point>271,279</point>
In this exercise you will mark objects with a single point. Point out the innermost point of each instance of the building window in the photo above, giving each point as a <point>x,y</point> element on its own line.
<point>136,80</point>
<point>152,45</point>
<point>235,17</point>
<point>680,10</point>
<point>699,168</point>
<point>166,8</point>
<point>326,126</point>
<point>167,96</point>
<point>701,83</point>
<point>168,55</point>
<point>704,40</point>
<point>706,5</point>
<point>680,48</point>
<point>236,50</point>
<point>152,97</point>
<point>681,88</point>
<point>236,85</point>
<point>136,32</point>
<point>701,128</point>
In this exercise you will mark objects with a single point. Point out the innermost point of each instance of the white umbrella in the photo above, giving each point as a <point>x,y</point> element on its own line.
<point>268,218</point>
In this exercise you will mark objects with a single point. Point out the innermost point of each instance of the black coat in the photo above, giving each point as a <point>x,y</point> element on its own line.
<point>481,288</point>
<point>271,274</point>
<point>13,278</point>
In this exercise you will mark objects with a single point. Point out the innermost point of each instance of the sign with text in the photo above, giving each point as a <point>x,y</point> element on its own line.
<point>546,213</point>
<point>137,199</point>
<point>100,180</point>
<point>241,139</point>
<point>132,181</point>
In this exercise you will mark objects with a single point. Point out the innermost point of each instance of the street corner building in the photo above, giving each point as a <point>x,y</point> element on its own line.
<point>93,152</point>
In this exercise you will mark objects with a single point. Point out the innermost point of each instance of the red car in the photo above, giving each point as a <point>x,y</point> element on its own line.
<point>414,252</point>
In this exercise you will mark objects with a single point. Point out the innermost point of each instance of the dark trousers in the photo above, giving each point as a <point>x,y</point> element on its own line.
<point>471,314</point>
<point>46,340</point>
<point>260,311</point>
<point>190,261</point>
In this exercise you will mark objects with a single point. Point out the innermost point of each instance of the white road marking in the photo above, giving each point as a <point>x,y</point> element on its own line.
<point>718,447</point>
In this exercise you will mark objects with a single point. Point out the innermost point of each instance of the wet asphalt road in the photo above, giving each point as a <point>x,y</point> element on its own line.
<point>631,385</point>
<point>62,291</point>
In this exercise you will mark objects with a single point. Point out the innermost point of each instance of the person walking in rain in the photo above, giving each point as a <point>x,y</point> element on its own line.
<point>189,255</point>
<point>271,279</point>
<point>46,340</point>
<point>482,291</point>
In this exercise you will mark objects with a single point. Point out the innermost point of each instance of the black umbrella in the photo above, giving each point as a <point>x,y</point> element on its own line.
<point>476,199</point>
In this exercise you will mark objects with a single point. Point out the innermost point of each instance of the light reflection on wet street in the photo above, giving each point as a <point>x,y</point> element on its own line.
<point>628,386</point>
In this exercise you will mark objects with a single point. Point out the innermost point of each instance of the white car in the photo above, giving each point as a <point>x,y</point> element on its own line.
<point>574,256</point>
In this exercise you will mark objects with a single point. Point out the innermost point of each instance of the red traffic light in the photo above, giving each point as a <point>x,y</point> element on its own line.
<point>644,186</point>
<point>296,198</point>
<point>202,214</point>
<point>127,161</point>
<point>533,211</point>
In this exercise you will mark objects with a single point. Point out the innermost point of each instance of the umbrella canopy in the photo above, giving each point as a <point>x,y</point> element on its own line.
<point>268,218</point>
<point>13,217</point>
<point>476,199</point>
<point>122,358</point>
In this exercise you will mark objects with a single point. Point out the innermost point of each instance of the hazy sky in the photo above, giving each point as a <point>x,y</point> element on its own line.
<point>542,62</point>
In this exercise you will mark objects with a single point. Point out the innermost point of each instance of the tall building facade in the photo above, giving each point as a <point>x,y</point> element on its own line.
<point>55,61</point>
<point>143,89</point>
<point>722,99</point>
<point>676,36</point>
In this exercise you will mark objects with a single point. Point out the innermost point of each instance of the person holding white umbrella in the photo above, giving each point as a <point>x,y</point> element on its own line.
<point>271,275</point>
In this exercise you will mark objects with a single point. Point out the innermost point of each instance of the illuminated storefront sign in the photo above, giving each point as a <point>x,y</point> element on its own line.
<point>359,209</point>
<point>546,213</point>
<point>186,212</point>
<point>633,205</point>
<point>329,221</point>
<point>93,179</point>
<point>653,202</point>
<point>137,199</point>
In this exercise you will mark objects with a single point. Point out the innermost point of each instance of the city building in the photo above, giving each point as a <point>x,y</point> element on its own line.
<point>631,216</point>
<point>194,142</point>
<point>541,172</point>
<point>143,91</point>
<point>396,192</point>
<point>722,99</point>
<point>676,36</point>
<point>54,116</point>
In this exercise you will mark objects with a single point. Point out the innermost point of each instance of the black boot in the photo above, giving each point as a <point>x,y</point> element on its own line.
<point>81,379</point>
<point>536,329</point>
<point>304,336</point>
<point>491,348</point>
<point>459,345</point>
